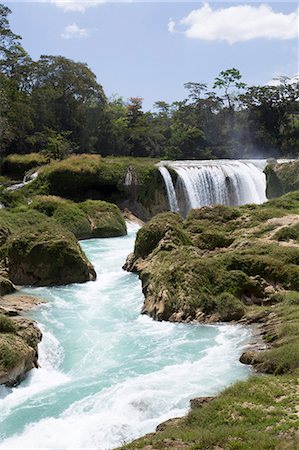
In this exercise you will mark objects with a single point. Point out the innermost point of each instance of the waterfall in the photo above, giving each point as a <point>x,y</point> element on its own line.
<point>28,178</point>
<point>225,182</point>
<point>173,204</point>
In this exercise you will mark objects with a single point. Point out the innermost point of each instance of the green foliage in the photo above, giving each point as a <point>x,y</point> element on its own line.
<point>56,105</point>
<point>149,236</point>
<point>58,146</point>
<point>17,165</point>
<point>287,233</point>
<point>7,325</point>
<point>229,307</point>
<point>290,297</point>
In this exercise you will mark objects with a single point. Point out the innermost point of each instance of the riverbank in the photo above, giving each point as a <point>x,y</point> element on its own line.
<point>19,338</point>
<point>238,265</point>
<point>109,374</point>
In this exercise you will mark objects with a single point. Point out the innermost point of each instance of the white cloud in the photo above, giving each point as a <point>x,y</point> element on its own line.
<point>171,26</point>
<point>76,5</point>
<point>73,31</point>
<point>238,23</point>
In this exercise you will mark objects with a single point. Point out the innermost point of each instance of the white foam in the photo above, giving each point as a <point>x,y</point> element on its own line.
<point>108,374</point>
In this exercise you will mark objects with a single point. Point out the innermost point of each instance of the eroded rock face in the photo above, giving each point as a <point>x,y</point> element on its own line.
<point>19,339</point>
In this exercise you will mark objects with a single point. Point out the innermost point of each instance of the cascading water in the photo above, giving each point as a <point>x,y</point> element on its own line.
<point>225,182</point>
<point>173,204</point>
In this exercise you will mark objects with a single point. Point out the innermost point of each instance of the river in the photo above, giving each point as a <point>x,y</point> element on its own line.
<point>108,374</point>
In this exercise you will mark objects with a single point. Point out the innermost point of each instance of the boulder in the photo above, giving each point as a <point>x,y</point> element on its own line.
<point>199,402</point>
<point>6,286</point>
<point>47,255</point>
<point>19,339</point>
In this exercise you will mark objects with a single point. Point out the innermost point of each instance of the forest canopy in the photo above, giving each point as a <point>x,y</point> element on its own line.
<point>56,106</point>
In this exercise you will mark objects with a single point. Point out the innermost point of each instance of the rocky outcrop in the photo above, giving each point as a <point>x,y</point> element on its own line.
<point>199,402</point>
<point>46,255</point>
<point>282,178</point>
<point>15,304</point>
<point>6,286</point>
<point>105,219</point>
<point>185,278</point>
<point>19,338</point>
<point>92,218</point>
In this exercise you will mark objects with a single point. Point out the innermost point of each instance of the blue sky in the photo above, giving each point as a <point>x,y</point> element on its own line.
<point>150,49</point>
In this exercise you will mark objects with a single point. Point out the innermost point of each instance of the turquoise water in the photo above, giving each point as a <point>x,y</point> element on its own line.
<point>107,373</point>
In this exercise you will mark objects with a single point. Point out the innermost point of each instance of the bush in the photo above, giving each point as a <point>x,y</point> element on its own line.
<point>229,307</point>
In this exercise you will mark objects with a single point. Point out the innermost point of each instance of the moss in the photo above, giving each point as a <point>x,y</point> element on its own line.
<point>65,213</point>
<point>218,214</point>
<point>210,240</point>
<point>149,236</point>
<point>7,325</point>
<point>45,255</point>
<point>17,165</point>
<point>81,176</point>
<point>105,218</point>
<point>290,297</point>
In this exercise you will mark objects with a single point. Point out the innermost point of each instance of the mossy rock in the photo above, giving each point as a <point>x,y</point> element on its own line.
<point>46,255</point>
<point>17,165</point>
<point>79,176</point>
<point>16,359</point>
<point>282,178</point>
<point>105,219</point>
<point>210,240</point>
<point>149,236</point>
<point>7,325</point>
<point>65,213</point>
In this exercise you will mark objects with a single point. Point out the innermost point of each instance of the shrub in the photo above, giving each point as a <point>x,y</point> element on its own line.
<point>229,307</point>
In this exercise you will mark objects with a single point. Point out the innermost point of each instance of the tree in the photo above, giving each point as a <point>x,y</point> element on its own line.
<point>227,80</point>
<point>67,97</point>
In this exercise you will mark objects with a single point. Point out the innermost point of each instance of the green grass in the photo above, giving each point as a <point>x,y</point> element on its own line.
<point>16,165</point>
<point>12,350</point>
<point>7,325</point>
<point>256,414</point>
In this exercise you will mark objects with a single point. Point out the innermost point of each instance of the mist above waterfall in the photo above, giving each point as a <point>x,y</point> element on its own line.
<point>226,182</point>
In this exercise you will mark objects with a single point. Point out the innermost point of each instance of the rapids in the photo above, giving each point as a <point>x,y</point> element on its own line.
<point>108,374</point>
